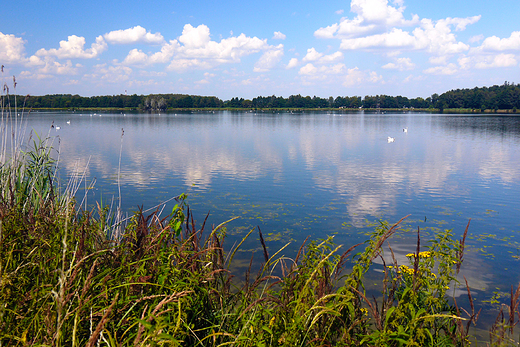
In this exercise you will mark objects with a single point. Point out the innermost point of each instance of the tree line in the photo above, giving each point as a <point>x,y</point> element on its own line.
<point>503,97</point>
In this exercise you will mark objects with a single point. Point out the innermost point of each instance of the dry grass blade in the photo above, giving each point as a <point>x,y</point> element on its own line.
<point>416,260</point>
<point>343,259</point>
<point>94,338</point>
<point>461,246</point>
<point>387,235</point>
<point>266,255</point>
<point>513,308</point>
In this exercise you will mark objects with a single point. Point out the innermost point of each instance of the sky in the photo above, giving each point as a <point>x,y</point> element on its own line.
<point>245,49</point>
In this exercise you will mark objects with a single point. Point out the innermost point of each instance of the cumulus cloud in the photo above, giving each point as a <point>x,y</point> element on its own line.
<point>182,65</point>
<point>372,17</point>
<point>11,49</point>
<point>353,77</point>
<point>321,71</point>
<point>292,63</point>
<point>195,49</point>
<point>312,55</point>
<point>396,38</point>
<point>308,69</point>
<point>278,36</point>
<point>74,48</point>
<point>111,74</point>
<point>494,43</point>
<point>56,68</point>
<point>400,64</point>
<point>476,38</point>
<point>500,60</point>
<point>377,24</point>
<point>269,59</point>
<point>319,58</point>
<point>138,57</point>
<point>488,61</point>
<point>195,37</point>
<point>432,37</point>
<point>137,34</point>
<point>449,69</point>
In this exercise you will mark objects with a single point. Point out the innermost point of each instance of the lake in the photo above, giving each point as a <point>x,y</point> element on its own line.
<point>313,174</point>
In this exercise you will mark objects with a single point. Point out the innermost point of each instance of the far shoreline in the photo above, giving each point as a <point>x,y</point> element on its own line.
<point>504,112</point>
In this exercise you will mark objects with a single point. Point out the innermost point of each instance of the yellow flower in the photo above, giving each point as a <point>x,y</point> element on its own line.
<point>405,269</point>
<point>425,254</point>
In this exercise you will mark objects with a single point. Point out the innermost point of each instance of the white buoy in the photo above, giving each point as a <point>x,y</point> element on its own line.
<point>405,130</point>
<point>391,139</point>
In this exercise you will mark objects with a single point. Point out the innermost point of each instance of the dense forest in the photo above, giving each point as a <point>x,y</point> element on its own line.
<point>504,97</point>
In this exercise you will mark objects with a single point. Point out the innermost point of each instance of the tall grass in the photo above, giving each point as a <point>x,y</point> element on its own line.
<point>66,281</point>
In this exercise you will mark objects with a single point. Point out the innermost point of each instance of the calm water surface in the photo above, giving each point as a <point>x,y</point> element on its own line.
<point>316,174</point>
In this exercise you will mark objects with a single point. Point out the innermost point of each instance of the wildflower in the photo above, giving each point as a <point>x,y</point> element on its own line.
<point>365,311</point>
<point>405,269</point>
<point>425,254</point>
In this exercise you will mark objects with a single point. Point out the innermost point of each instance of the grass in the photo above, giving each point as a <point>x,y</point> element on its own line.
<point>66,280</point>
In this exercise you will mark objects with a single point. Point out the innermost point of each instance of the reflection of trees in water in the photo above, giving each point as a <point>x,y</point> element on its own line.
<point>497,126</point>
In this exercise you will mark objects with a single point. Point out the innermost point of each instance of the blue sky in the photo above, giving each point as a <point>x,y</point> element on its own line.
<point>234,48</point>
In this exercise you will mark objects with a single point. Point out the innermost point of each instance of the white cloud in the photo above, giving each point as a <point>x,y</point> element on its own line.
<point>435,38</point>
<point>195,37</point>
<point>37,76</point>
<point>327,32</point>
<point>183,65</point>
<point>138,57</point>
<point>449,69</point>
<point>321,71</point>
<point>308,69</point>
<point>476,38</point>
<point>152,73</point>
<point>396,38</point>
<point>494,43</point>
<point>353,77</point>
<point>269,59</point>
<point>339,11</point>
<point>137,34</point>
<point>373,17</point>
<point>461,23</point>
<point>51,68</point>
<point>111,74</point>
<point>400,64</point>
<point>319,58</point>
<point>488,61</point>
<point>374,77</point>
<point>379,24</point>
<point>292,63</point>
<point>74,48</point>
<point>11,49</point>
<point>56,68</point>
<point>194,49</point>
<point>334,57</point>
<point>312,55</point>
<point>438,60</point>
<point>501,60</point>
<point>278,36</point>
